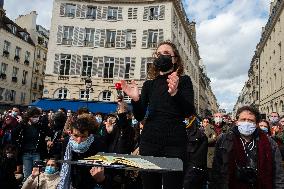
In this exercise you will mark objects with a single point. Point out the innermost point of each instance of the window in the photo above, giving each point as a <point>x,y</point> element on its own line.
<point>256,78</point>
<point>127,68</point>
<point>112,13</point>
<point>67,35</point>
<point>17,53</point>
<point>89,37</point>
<point>44,56</point>
<point>153,38</point>
<point>132,13</point>
<point>108,67</point>
<point>25,74</point>
<point>3,68</point>
<point>15,72</point>
<point>110,41</point>
<point>25,36</point>
<point>84,94</point>
<point>7,46</point>
<point>14,29</point>
<point>70,10</point>
<point>106,95</point>
<point>12,95</point>
<point>62,93</point>
<point>23,97</point>
<point>126,98</point>
<point>38,53</point>
<point>27,56</point>
<point>92,12</point>
<point>37,67</point>
<point>87,65</point>
<point>64,67</point>
<point>154,13</point>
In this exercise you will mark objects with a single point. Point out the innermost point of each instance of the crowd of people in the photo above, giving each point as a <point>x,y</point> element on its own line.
<point>218,151</point>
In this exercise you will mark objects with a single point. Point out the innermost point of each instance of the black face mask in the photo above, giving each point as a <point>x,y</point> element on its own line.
<point>163,63</point>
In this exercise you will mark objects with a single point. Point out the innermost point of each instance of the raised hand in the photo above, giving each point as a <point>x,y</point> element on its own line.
<point>130,89</point>
<point>173,81</point>
<point>98,174</point>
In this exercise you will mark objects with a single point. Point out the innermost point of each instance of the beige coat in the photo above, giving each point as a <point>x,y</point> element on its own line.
<point>46,181</point>
<point>212,137</point>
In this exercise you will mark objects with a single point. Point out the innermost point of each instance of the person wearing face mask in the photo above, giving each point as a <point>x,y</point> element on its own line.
<point>264,126</point>
<point>29,137</point>
<point>277,131</point>
<point>10,123</point>
<point>219,125</point>
<point>167,97</point>
<point>83,143</point>
<point>41,180</point>
<point>245,157</point>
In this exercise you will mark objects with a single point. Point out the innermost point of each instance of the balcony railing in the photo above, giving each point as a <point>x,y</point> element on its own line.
<point>17,58</point>
<point>110,44</point>
<point>66,41</point>
<point>27,62</point>
<point>3,75</point>
<point>6,53</point>
<point>14,79</point>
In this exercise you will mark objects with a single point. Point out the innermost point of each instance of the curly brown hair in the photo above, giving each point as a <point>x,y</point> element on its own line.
<point>153,71</point>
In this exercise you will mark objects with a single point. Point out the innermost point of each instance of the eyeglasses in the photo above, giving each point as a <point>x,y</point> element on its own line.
<point>52,164</point>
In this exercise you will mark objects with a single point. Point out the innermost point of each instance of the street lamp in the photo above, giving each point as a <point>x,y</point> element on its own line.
<point>89,89</point>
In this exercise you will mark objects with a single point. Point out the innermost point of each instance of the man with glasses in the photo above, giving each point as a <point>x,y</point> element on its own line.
<point>245,157</point>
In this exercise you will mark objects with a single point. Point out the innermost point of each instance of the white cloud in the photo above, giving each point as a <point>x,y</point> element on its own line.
<point>227,33</point>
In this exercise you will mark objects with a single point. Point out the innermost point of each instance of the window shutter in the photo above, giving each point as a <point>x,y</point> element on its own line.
<point>132,68</point>
<point>118,39</point>
<point>103,36</point>
<point>133,43</point>
<point>73,65</point>
<point>84,11</point>
<point>161,35</point>
<point>121,68</point>
<point>75,36</point>
<point>81,37</point>
<point>130,13</point>
<point>78,65</point>
<point>145,39</point>
<point>123,39</point>
<point>78,10</point>
<point>116,68</point>
<point>143,68</point>
<point>162,12</point>
<point>59,34</point>
<point>62,9</point>
<point>97,37</point>
<point>146,12</point>
<point>134,13</point>
<point>95,66</point>
<point>56,64</point>
<point>119,13</point>
<point>104,15</point>
<point>99,12</point>
<point>100,67</point>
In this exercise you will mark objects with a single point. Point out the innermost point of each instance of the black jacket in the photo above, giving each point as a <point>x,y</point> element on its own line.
<point>221,160</point>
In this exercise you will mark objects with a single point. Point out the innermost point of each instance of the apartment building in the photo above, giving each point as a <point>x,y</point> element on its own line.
<point>40,37</point>
<point>110,41</point>
<point>16,62</point>
<point>265,85</point>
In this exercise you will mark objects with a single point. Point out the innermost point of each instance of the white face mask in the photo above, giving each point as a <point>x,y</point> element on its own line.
<point>218,119</point>
<point>246,128</point>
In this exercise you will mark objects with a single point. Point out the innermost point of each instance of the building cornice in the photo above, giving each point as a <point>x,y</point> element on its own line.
<point>177,4</point>
<point>276,12</point>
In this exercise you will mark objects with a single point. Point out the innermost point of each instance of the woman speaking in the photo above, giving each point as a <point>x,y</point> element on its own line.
<point>168,97</point>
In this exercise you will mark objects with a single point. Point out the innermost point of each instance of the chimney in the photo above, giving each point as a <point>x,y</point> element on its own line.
<point>2,11</point>
<point>1,4</point>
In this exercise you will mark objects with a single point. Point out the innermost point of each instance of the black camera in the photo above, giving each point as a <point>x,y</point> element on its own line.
<point>247,175</point>
<point>39,163</point>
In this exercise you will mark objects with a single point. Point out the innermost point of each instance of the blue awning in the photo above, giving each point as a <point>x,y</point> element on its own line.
<point>74,105</point>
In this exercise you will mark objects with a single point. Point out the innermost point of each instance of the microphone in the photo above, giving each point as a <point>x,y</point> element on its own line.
<point>119,91</point>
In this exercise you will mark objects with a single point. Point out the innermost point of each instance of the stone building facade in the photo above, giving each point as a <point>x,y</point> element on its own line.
<point>110,41</point>
<point>16,62</point>
<point>265,86</point>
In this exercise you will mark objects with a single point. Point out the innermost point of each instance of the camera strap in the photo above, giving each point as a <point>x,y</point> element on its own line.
<point>250,147</point>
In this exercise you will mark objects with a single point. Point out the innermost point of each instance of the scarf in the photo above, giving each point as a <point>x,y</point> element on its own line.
<point>65,181</point>
<point>264,163</point>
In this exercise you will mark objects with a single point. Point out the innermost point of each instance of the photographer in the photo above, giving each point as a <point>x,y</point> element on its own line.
<point>245,158</point>
<point>40,180</point>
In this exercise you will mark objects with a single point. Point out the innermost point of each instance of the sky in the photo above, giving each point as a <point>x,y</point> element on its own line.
<point>227,34</point>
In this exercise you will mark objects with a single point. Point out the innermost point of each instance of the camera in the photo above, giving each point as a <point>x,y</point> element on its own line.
<point>247,174</point>
<point>39,163</point>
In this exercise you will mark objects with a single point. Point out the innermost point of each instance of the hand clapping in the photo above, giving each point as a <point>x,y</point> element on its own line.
<point>173,81</point>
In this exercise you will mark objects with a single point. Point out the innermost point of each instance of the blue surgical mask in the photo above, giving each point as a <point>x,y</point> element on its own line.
<point>264,129</point>
<point>50,170</point>
<point>99,119</point>
<point>246,128</point>
<point>14,114</point>
<point>82,146</point>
